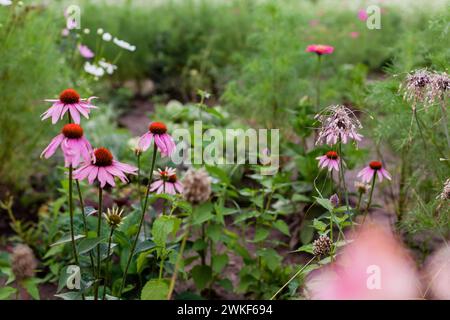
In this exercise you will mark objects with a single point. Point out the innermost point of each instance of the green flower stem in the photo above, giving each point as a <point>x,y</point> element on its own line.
<point>108,263</point>
<point>359,201</point>
<point>83,213</point>
<point>144,209</point>
<point>293,277</point>
<point>341,172</point>
<point>72,234</point>
<point>180,256</point>
<point>445,122</point>
<point>319,67</point>
<point>370,197</point>
<point>99,230</point>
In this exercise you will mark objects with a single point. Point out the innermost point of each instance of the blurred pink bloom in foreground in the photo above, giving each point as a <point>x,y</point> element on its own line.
<point>320,49</point>
<point>85,51</point>
<point>373,266</point>
<point>437,274</point>
<point>362,15</point>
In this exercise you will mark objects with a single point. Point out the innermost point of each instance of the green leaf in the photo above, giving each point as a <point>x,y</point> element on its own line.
<point>218,173</point>
<point>226,284</point>
<point>155,289</point>
<point>53,251</point>
<point>199,245</point>
<point>67,238</point>
<point>87,245</point>
<point>326,203</point>
<point>202,275</point>
<point>319,225</point>
<point>219,262</point>
<point>270,257</point>
<point>71,295</point>
<point>162,228</point>
<point>6,292</point>
<point>31,286</point>
<point>214,232</point>
<point>202,213</point>
<point>300,198</point>
<point>261,234</point>
<point>305,248</point>
<point>282,226</point>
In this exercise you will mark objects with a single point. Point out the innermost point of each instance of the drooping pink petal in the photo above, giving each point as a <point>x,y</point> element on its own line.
<point>93,174</point>
<point>51,148</point>
<point>145,141</point>
<point>75,114</point>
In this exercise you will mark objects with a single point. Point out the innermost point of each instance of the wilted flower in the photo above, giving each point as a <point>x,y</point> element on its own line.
<point>334,199</point>
<point>73,145</point>
<point>373,266</point>
<point>85,51</point>
<point>69,100</point>
<point>362,187</point>
<point>322,245</point>
<point>320,49</point>
<point>168,182</point>
<point>103,168</point>
<point>374,168</point>
<point>158,132</point>
<point>330,160</point>
<point>439,86</point>
<point>197,186</point>
<point>339,123</point>
<point>445,194</point>
<point>23,262</point>
<point>437,273</point>
<point>114,217</point>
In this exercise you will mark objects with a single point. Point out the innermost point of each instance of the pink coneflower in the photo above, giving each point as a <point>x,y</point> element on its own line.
<point>339,123</point>
<point>320,49</point>
<point>164,142</point>
<point>330,160</point>
<point>73,145</point>
<point>354,34</point>
<point>362,15</point>
<point>374,168</point>
<point>69,100</point>
<point>85,51</point>
<point>167,182</point>
<point>103,168</point>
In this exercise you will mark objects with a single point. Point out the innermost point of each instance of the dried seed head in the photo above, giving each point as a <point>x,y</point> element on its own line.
<point>415,86</point>
<point>322,246</point>
<point>23,262</point>
<point>362,187</point>
<point>438,88</point>
<point>338,123</point>
<point>114,217</point>
<point>196,186</point>
<point>445,194</point>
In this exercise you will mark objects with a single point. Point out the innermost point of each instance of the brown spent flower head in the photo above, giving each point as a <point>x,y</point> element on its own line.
<point>362,187</point>
<point>322,246</point>
<point>23,262</point>
<point>445,194</point>
<point>438,88</point>
<point>196,186</point>
<point>114,217</point>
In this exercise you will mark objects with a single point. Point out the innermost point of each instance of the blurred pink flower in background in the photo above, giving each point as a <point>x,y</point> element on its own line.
<point>354,34</point>
<point>85,51</point>
<point>167,182</point>
<point>374,266</point>
<point>374,168</point>
<point>314,22</point>
<point>320,49</point>
<point>157,131</point>
<point>362,15</point>
<point>65,32</point>
<point>437,274</point>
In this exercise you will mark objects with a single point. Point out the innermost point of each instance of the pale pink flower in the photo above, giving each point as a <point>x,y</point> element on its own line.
<point>314,23</point>
<point>354,34</point>
<point>362,15</point>
<point>320,49</point>
<point>374,168</point>
<point>158,133</point>
<point>339,123</point>
<point>65,32</point>
<point>373,266</point>
<point>167,183</point>
<point>103,168</point>
<point>330,160</point>
<point>69,101</point>
<point>85,51</point>
<point>73,145</point>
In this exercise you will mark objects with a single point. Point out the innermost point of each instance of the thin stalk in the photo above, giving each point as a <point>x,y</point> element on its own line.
<point>358,206</point>
<point>293,277</point>
<point>370,198</point>
<point>99,228</point>
<point>108,263</point>
<point>144,208</point>
<point>83,213</point>
<point>179,257</point>
<point>319,67</point>
<point>72,234</point>
<point>139,188</point>
<point>341,172</point>
<point>445,122</point>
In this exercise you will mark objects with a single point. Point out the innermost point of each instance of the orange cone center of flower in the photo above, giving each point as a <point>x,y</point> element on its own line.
<point>69,96</point>
<point>375,165</point>
<point>72,131</point>
<point>157,128</point>
<point>103,157</point>
<point>173,178</point>
<point>332,155</point>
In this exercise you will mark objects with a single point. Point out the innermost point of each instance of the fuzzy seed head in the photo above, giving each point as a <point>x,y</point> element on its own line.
<point>23,262</point>
<point>375,165</point>
<point>362,187</point>
<point>157,128</point>
<point>196,186</point>
<point>72,131</point>
<point>322,246</point>
<point>103,157</point>
<point>332,155</point>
